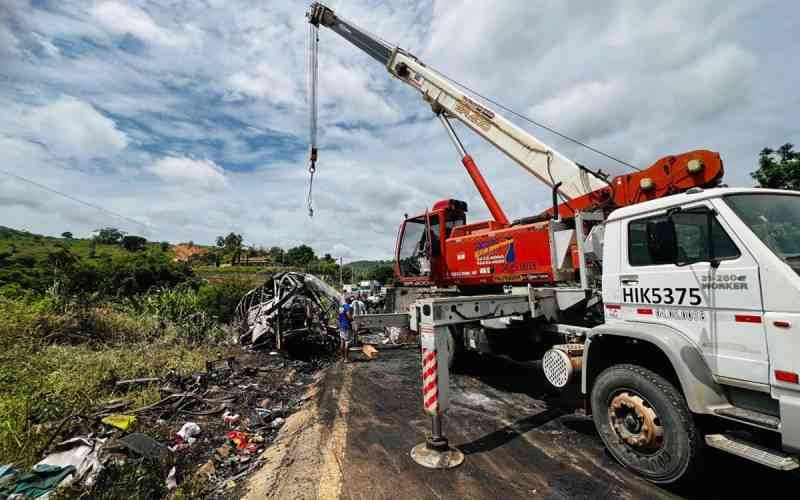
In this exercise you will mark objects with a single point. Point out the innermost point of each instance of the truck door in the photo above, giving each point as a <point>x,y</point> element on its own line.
<point>711,294</point>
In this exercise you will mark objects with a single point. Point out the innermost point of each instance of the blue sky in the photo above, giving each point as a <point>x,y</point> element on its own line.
<point>190,116</point>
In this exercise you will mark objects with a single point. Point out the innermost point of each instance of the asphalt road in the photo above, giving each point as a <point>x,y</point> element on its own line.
<point>520,440</point>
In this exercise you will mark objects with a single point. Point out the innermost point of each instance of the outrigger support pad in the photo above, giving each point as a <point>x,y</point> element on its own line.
<point>436,452</point>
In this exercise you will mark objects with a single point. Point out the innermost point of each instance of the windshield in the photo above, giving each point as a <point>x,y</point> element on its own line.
<point>775,219</point>
<point>412,245</point>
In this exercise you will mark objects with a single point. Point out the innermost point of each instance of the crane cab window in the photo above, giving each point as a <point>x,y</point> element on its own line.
<point>412,246</point>
<point>691,234</point>
<point>454,220</point>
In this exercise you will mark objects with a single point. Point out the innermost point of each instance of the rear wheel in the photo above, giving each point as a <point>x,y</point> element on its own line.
<point>455,346</point>
<point>645,423</point>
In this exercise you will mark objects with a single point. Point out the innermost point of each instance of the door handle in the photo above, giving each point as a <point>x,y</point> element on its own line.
<point>629,280</point>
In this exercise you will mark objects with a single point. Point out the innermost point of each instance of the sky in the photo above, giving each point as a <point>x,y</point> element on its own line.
<point>188,119</point>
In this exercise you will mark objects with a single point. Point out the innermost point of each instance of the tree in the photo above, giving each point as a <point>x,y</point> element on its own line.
<point>382,273</point>
<point>276,254</point>
<point>233,246</point>
<point>108,235</point>
<point>62,260</point>
<point>164,246</point>
<point>67,235</point>
<point>133,243</point>
<point>778,169</point>
<point>221,241</point>
<point>300,256</point>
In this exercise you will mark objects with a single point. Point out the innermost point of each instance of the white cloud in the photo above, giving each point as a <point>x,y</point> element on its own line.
<point>214,117</point>
<point>9,45</point>
<point>203,174</point>
<point>122,18</point>
<point>47,45</point>
<point>70,127</point>
<point>264,81</point>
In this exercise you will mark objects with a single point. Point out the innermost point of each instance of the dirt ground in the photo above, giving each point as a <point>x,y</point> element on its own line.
<point>520,441</point>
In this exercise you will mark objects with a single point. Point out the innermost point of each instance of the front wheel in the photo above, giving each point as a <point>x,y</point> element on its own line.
<point>645,423</point>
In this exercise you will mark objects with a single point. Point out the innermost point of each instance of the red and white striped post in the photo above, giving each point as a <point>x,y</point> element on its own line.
<point>435,452</point>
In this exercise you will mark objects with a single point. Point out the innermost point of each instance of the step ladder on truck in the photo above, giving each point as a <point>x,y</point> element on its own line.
<point>673,302</point>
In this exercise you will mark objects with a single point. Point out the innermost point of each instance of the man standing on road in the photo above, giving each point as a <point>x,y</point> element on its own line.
<point>359,308</point>
<point>346,327</point>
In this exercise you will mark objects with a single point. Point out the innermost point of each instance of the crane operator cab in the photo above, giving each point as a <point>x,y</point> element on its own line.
<point>419,254</point>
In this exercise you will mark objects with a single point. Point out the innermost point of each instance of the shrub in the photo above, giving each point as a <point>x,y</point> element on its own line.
<point>221,298</point>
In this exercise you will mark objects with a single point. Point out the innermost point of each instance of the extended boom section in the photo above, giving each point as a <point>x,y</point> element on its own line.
<point>440,248</point>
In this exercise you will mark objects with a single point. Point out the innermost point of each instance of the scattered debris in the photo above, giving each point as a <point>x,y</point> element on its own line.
<point>122,422</point>
<point>188,432</point>
<point>287,306</point>
<point>82,453</point>
<point>369,351</point>
<point>210,427</point>
<point>144,446</point>
<point>137,381</point>
<point>207,470</point>
<point>171,482</point>
<point>39,481</point>
<point>229,418</point>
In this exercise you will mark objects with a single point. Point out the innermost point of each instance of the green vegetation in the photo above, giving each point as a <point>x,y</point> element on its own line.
<point>81,314</point>
<point>30,263</point>
<point>779,169</point>
<point>378,270</point>
<point>78,315</point>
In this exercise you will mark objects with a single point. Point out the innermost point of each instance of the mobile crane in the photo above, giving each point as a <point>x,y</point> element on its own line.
<point>674,301</point>
<point>439,248</point>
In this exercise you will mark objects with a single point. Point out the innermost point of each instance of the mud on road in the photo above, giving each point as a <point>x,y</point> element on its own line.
<point>520,439</point>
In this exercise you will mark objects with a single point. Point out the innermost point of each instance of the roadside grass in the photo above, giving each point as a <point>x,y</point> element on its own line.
<point>76,317</point>
<point>58,361</point>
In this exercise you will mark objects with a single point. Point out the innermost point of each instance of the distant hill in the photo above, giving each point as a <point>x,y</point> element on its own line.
<point>366,265</point>
<point>24,257</point>
<point>380,270</point>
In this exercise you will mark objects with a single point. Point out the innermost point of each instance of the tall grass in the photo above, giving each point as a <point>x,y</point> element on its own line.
<point>61,355</point>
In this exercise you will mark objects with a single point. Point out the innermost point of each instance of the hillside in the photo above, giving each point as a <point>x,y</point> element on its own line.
<point>27,260</point>
<point>380,270</point>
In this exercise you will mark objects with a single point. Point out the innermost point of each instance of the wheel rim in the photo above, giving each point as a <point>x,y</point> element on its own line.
<point>635,422</point>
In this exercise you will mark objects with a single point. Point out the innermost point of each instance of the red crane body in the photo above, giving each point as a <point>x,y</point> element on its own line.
<point>499,252</point>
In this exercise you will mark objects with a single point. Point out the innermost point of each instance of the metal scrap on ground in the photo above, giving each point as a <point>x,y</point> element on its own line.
<point>287,306</point>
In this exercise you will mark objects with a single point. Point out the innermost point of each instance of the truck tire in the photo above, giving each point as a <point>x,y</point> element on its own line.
<point>645,423</point>
<point>455,347</point>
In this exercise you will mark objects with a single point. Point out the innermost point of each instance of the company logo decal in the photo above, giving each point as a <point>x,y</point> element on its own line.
<point>495,251</point>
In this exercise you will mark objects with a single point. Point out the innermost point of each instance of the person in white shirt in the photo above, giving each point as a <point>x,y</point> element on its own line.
<point>359,308</point>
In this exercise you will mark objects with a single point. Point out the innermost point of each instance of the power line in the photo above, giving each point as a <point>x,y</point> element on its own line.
<point>541,125</point>
<point>78,200</point>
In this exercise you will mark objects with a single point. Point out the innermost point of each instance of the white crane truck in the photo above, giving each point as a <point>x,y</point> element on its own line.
<point>679,316</point>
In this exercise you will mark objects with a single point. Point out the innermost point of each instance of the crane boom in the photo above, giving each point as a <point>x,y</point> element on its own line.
<point>440,248</point>
<point>545,163</point>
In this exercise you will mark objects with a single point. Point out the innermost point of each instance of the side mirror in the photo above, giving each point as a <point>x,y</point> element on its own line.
<point>662,242</point>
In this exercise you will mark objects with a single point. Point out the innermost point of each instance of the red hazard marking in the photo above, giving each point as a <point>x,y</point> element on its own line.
<point>429,387</point>
<point>429,356</point>
<point>746,318</point>
<point>431,401</point>
<point>427,373</point>
<point>613,306</point>
<point>645,311</point>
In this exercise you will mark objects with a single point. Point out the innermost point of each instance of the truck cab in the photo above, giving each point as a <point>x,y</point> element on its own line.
<point>420,250</point>
<point>701,295</point>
